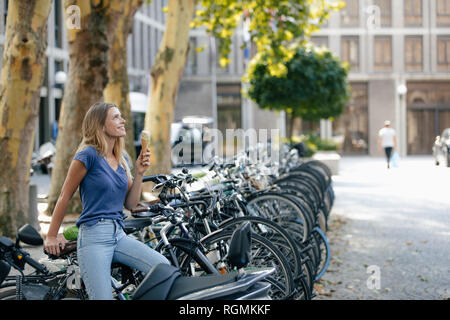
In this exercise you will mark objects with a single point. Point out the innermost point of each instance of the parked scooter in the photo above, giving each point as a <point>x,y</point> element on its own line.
<point>43,160</point>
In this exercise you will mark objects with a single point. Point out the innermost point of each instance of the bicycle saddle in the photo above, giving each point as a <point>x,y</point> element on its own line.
<point>133,225</point>
<point>164,282</point>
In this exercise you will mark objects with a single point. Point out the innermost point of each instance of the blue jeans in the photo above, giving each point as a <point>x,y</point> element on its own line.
<point>106,242</point>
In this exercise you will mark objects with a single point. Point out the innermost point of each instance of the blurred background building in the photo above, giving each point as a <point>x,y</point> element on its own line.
<point>399,53</point>
<point>398,50</point>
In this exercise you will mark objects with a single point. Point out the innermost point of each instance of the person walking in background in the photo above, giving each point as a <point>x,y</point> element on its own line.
<point>387,139</point>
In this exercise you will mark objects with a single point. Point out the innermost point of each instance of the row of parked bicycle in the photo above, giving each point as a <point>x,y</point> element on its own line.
<point>255,230</point>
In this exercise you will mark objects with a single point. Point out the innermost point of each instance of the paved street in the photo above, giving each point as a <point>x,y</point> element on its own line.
<point>396,220</point>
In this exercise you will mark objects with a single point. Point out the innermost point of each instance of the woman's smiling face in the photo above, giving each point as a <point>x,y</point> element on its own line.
<point>115,124</point>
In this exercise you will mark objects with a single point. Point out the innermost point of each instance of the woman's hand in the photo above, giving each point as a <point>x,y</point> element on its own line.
<point>54,245</point>
<point>143,162</point>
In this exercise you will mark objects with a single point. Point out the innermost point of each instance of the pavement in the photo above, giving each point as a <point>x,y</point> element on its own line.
<point>389,231</point>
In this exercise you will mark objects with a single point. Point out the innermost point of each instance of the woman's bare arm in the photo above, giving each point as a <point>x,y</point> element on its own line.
<point>75,175</point>
<point>134,192</point>
<point>135,187</point>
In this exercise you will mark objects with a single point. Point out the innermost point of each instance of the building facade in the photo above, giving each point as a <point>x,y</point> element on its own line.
<point>392,45</point>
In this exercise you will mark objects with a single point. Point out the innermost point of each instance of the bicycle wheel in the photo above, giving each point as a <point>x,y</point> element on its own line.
<point>283,241</point>
<point>324,249</point>
<point>306,249</point>
<point>274,233</point>
<point>312,177</point>
<point>264,254</point>
<point>9,294</point>
<point>312,172</point>
<point>301,195</point>
<point>319,166</point>
<point>305,184</point>
<point>279,207</point>
<point>303,188</point>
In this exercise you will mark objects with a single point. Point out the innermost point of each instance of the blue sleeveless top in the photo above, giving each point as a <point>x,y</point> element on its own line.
<point>102,190</point>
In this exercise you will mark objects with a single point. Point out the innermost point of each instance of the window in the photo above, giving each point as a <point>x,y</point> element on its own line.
<point>229,114</point>
<point>59,65</point>
<point>413,53</point>
<point>350,14</point>
<point>45,80</point>
<point>134,52</point>
<point>5,13</point>
<point>320,41</point>
<point>58,103</point>
<point>163,14</point>
<point>219,68</point>
<point>144,50</point>
<point>443,52</point>
<point>413,12</point>
<point>350,52</point>
<point>385,11</point>
<point>351,128</point>
<point>443,13</point>
<point>191,63</point>
<point>152,44</point>
<point>383,54</point>
<point>58,24</point>
<point>44,135</point>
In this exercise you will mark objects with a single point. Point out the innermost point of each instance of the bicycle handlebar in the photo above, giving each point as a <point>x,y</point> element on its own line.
<point>152,208</point>
<point>156,178</point>
<point>36,265</point>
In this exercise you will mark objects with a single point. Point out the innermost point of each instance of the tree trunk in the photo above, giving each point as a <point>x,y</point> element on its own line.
<point>117,90</point>
<point>88,76</point>
<point>21,81</point>
<point>165,77</point>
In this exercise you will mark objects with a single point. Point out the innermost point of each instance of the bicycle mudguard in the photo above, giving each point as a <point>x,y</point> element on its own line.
<point>4,270</point>
<point>240,246</point>
<point>27,234</point>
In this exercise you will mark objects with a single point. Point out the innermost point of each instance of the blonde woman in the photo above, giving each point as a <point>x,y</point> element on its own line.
<point>101,169</point>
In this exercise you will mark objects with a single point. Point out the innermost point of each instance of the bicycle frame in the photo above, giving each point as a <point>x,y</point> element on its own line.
<point>187,244</point>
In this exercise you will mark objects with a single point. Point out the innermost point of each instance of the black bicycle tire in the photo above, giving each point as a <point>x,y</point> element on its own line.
<point>301,197</point>
<point>317,163</point>
<point>8,293</point>
<point>324,252</point>
<point>309,256</point>
<point>314,171</point>
<point>281,232</point>
<point>224,234</point>
<point>299,211</point>
<point>297,181</point>
<point>310,179</point>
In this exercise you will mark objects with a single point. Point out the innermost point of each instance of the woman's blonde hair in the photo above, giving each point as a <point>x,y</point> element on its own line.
<point>93,135</point>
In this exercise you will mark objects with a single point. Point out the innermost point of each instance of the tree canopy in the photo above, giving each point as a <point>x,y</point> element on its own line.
<point>314,87</point>
<point>273,25</point>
